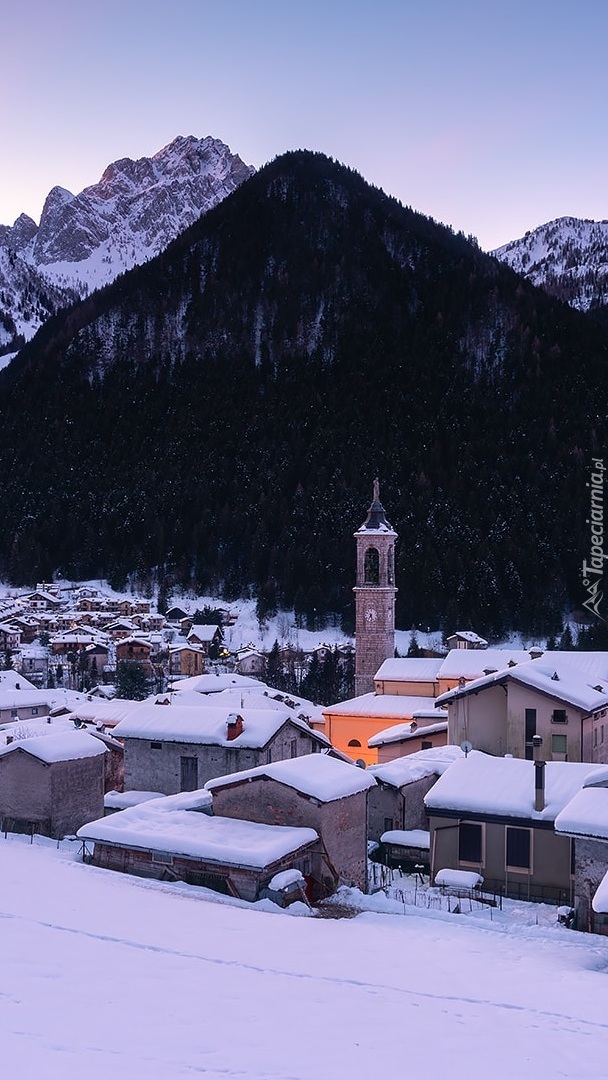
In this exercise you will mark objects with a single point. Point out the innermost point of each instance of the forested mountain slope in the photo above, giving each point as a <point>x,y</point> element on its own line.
<point>220,413</point>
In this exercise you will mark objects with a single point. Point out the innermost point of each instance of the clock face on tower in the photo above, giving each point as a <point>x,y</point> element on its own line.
<point>370,616</point>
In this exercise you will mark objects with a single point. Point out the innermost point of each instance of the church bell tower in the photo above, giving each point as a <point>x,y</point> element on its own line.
<point>375,593</point>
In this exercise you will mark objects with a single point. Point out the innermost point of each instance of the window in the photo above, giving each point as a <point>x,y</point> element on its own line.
<point>602,733</point>
<point>559,744</point>
<point>162,857</point>
<point>156,745</point>
<point>388,824</point>
<point>426,744</point>
<point>519,849</point>
<point>293,748</point>
<point>530,724</point>
<point>470,843</point>
<point>559,716</point>
<point>595,736</point>
<point>354,742</point>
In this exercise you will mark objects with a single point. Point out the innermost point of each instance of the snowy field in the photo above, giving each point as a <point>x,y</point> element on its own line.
<point>109,976</point>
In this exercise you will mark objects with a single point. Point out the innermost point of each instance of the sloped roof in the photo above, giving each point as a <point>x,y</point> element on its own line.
<point>65,746</point>
<point>405,770</point>
<point>206,724</point>
<point>563,679</point>
<point>402,706</point>
<point>316,775</point>
<point>403,732</point>
<point>411,668</point>
<point>171,824</point>
<point>504,787</point>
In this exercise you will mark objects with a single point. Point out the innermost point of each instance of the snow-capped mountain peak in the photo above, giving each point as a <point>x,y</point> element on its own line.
<point>86,240</point>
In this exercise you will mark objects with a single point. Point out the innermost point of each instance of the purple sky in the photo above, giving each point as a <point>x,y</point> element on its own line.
<point>489,116</point>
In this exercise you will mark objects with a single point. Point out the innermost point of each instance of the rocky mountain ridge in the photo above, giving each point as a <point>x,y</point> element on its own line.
<point>85,241</point>
<point>567,257</point>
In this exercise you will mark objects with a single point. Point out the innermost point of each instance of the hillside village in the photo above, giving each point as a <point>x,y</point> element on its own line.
<point>481,771</point>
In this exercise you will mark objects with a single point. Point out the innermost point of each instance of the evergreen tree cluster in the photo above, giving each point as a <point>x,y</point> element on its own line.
<point>217,416</point>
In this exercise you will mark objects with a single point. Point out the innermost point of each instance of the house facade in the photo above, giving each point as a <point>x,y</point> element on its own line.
<point>173,748</point>
<point>564,702</point>
<point>493,816</point>
<point>51,784</point>
<point>315,792</point>
<point>585,820</point>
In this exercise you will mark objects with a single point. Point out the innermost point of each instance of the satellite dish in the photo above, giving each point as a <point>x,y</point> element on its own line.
<point>466,747</point>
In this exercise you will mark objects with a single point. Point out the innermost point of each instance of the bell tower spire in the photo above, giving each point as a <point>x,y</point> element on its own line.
<point>375,593</point>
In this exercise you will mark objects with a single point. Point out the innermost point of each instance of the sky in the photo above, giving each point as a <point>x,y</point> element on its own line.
<point>489,117</point>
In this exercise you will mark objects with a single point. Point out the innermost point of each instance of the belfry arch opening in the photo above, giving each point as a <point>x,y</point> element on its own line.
<point>371,566</point>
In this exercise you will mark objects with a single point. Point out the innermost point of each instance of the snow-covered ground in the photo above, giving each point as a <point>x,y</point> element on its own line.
<point>109,976</point>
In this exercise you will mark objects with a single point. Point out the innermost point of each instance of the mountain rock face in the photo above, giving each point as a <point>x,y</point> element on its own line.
<point>215,417</point>
<point>568,258</point>
<point>86,240</point>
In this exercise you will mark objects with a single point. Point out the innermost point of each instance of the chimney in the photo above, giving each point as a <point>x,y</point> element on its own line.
<point>539,775</point>
<point>234,726</point>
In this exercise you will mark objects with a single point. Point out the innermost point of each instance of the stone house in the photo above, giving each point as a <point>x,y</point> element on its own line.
<point>172,748</point>
<point>397,800</point>
<point>175,839</point>
<point>51,784</point>
<point>585,820</point>
<point>316,792</point>
<point>496,816</point>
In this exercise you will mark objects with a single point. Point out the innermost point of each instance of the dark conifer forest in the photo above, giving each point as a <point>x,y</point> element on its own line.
<point>216,418</point>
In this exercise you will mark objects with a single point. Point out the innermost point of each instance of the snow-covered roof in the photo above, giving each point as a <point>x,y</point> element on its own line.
<point>407,837</point>
<point>206,724</point>
<point>402,706</point>
<point>213,684</point>
<point>480,784</point>
<point>164,825</point>
<point>65,746</point>
<point>586,814</point>
<point>203,631</point>
<point>13,680</point>
<point>472,663</point>
<point>412,767</point>
<point>470,636</point>
<point>404,732</point>
<point>316,775</point>
<point>559,678</point>
<point>121,800</point>
<point>411,668</point>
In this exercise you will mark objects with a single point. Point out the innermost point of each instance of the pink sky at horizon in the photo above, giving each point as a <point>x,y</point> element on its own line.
<point>489,119</point>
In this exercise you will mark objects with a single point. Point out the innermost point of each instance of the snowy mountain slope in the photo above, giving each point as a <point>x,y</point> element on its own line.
<point>85,241</point>
<point>567,257</point>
